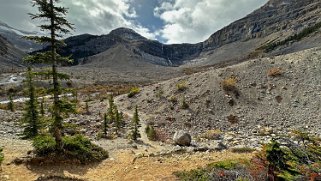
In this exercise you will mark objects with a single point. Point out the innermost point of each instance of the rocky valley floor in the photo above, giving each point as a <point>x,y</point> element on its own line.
<point>240,106</point>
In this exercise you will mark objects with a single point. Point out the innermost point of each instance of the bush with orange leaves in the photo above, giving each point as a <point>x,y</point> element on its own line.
<point>274,72</point>
<point>229,84</point>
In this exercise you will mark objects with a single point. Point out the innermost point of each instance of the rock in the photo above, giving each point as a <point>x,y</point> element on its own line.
<point>182,138</point>
<point>219,146</point>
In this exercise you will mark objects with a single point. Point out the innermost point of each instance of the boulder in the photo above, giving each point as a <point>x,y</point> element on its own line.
<point>182,138</point>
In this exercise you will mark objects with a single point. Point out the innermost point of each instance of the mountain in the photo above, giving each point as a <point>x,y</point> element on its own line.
<point>119,64</point>
<point>10,56</point>
<point>153,51</point>
<point>15,37</point>
<point>278,27</point>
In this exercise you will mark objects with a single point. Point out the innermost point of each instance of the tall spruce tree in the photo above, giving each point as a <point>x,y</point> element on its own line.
<point>10,105</point>
<point>105,125</point>
<point>56,25</point>
<point>111,109</point>
<point>135,132</point>
<point>31,120</point>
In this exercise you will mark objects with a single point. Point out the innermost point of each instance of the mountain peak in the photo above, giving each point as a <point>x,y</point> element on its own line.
<point>275,3</point>
<point>127,34</point>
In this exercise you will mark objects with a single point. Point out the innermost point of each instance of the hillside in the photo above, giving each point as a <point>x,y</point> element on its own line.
<point>10,57</point>
<point>269,95</point>
<point>15,37</point>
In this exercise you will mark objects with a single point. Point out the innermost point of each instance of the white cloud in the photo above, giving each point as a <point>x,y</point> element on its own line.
<point>195,20</point>
<point>101,16</point>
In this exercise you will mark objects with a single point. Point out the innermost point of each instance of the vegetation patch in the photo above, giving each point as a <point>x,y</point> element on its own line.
<point>229,85</point>
<point>133,91</point>
<point>1,156</point>
<point>297,37</point>
<point>181,86</point>
<point>232,119</point>
<point>281,159</point>
<point>274,72</point>
<point>173,100</point>
<point>223,170</point>
<point>57,178</point>
<point>151,133</point>
<point>212,134</point>
<point>242,150</point>
<point>74,148</point>
<point>184,104</point>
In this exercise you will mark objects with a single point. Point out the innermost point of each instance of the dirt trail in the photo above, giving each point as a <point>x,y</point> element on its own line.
<point>143,124</point>
<point>119,168</point>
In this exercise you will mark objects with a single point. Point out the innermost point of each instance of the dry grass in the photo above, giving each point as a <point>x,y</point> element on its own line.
<point>212,134</point>
<point>274,72</point>
<point>181,86</point>
<point>229,84</point>
<point>232,119</point>
<point>133,91</point>
<point>114,89</point>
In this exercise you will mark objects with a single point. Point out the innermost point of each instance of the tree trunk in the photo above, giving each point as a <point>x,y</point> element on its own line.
<point>56,114</point>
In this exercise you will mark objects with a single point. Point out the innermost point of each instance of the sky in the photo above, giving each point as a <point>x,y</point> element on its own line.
<point>168,21</point>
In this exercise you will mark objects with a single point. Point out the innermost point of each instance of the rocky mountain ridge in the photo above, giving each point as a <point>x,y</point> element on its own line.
<point>274,22</point>
<point>15,37</point>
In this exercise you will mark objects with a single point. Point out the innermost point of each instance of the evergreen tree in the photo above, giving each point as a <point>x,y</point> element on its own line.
<point>105,125</point>
<point>87,108</point>
<point>1,156</point>
<point>31,120</point>
<point>111,108</point>
<point>57,26</point>
<point>117,121</point>
<point>135,132</point>
<point>42,109</point>
<point>10,103</point>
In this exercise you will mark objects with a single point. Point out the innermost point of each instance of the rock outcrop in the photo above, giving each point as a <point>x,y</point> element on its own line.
<point>182,138</point>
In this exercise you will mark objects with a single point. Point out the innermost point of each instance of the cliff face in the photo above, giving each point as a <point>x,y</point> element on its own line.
<point>275,21</point>
<point>277,16</point>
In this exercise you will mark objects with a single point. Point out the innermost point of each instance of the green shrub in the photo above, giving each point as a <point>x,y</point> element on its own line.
<point>74,147</point>
<point>1,156</point>
<point>159,93</point>
<point>181,86</point>
<point>193,175</point>
<point>133,91</point>
<point>297,37</point>
<point>54,177</point>
<point>184,104</point>
<point>226,164</point>
<point>211,172</point>
<point>10,105</point>
<point>173,100</point>
<point>242,150</point>
<point>151,133</point>
<point>82,149</point>
<point>44,145</point>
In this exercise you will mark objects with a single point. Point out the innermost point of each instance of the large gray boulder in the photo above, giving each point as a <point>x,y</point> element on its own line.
<point>182,138</point>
